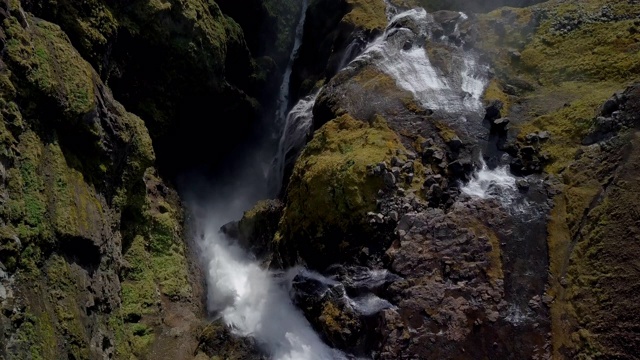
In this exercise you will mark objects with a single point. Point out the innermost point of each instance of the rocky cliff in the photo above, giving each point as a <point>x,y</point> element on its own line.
<point>381,183</point>
<point>469,190</point>
<point>94,262</point>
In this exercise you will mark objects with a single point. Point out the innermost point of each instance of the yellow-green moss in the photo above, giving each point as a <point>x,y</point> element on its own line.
<point>52,65</point>
<point>593,52</point>
<point>37,337</point>
<point>591,246</point>
<point>494,92</point>
<point>367,14</point>
<point>168,255</point>
<point>75,205</point>
<point>569,124</point>
<point>27,202</point>
<point>156,269</point>
<point>569,75</point>
<point>63,287</point>
<point>330,189</point>
<point>333,320</point>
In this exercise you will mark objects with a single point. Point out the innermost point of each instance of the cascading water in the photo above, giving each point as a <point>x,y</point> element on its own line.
<point>297,129</point>
<point>252,300</point>
<point>400,53</point>
<point>274,176</point>
<point>283,98</point>
<point>247,297</point>
<point>487,183</point>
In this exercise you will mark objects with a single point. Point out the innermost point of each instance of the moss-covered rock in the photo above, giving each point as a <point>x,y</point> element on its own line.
<point>169,62</point>
<point>590,238</point>
<point>91,237</point>
<point>556,64</point>
<point>329,29</point>
<point>331,191</point>
<point>256,229</point>
<point>217,342</point>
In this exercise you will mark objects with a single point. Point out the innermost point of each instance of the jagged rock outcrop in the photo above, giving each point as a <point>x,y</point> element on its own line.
<point>331,26</point>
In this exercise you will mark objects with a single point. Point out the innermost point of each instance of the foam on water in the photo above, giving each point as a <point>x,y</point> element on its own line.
<point>487,183</point>
<point>253,304</point>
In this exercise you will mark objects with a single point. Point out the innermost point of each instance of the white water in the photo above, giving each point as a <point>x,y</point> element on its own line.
<point>283,98</point>
<point>486,183</point>
<point>250,299</point>
<point>275,174</point>
<point>297,129</point>
<point>252,303</point>
<point>414,71</point>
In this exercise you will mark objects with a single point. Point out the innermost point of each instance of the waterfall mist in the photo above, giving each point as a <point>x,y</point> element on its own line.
<point>248,298</point>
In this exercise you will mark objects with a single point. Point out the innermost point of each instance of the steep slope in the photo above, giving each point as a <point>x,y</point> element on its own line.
<point>184,66</point>
<point>93,258</point>
<point>381,183</point>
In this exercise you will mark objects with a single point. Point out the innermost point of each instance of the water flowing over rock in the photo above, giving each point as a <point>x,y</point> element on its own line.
<point>296,133</point>
<point>487,182</point>
<point>403,53</point>
<point>284,126</point>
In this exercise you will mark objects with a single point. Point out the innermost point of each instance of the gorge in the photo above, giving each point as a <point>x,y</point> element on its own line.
<point>319,179</point>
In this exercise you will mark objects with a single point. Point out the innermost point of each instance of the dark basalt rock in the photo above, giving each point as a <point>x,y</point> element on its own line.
<point>494,110</point>
<point>328,309</point>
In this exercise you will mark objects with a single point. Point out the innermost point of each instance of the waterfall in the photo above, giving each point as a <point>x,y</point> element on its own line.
<point>275,173</point>
<point>283,97</point>
<point>297,130</point>
<point>253,301</point>
<point>400,52</point>
<point>248,298</point>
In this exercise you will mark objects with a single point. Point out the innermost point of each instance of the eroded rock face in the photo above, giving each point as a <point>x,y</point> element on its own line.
<point>92,258</point>
<point>592,228</point>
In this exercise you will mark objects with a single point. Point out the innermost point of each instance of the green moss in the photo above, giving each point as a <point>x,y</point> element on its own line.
<point>563,76</point>
<point>142,339</point>
<point>592,269</point>
<point>27,201</point>
<point>330,191</point>
<point>63,287</point>
<point>36,336</point>
<point>52,66</point>
<point>569,120</point>
<point>139,288</point>
<point>91,25</point>
<point>495,92</point>
<point>167,251</point>
<point>367,14</point>
<point>75,206</point>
